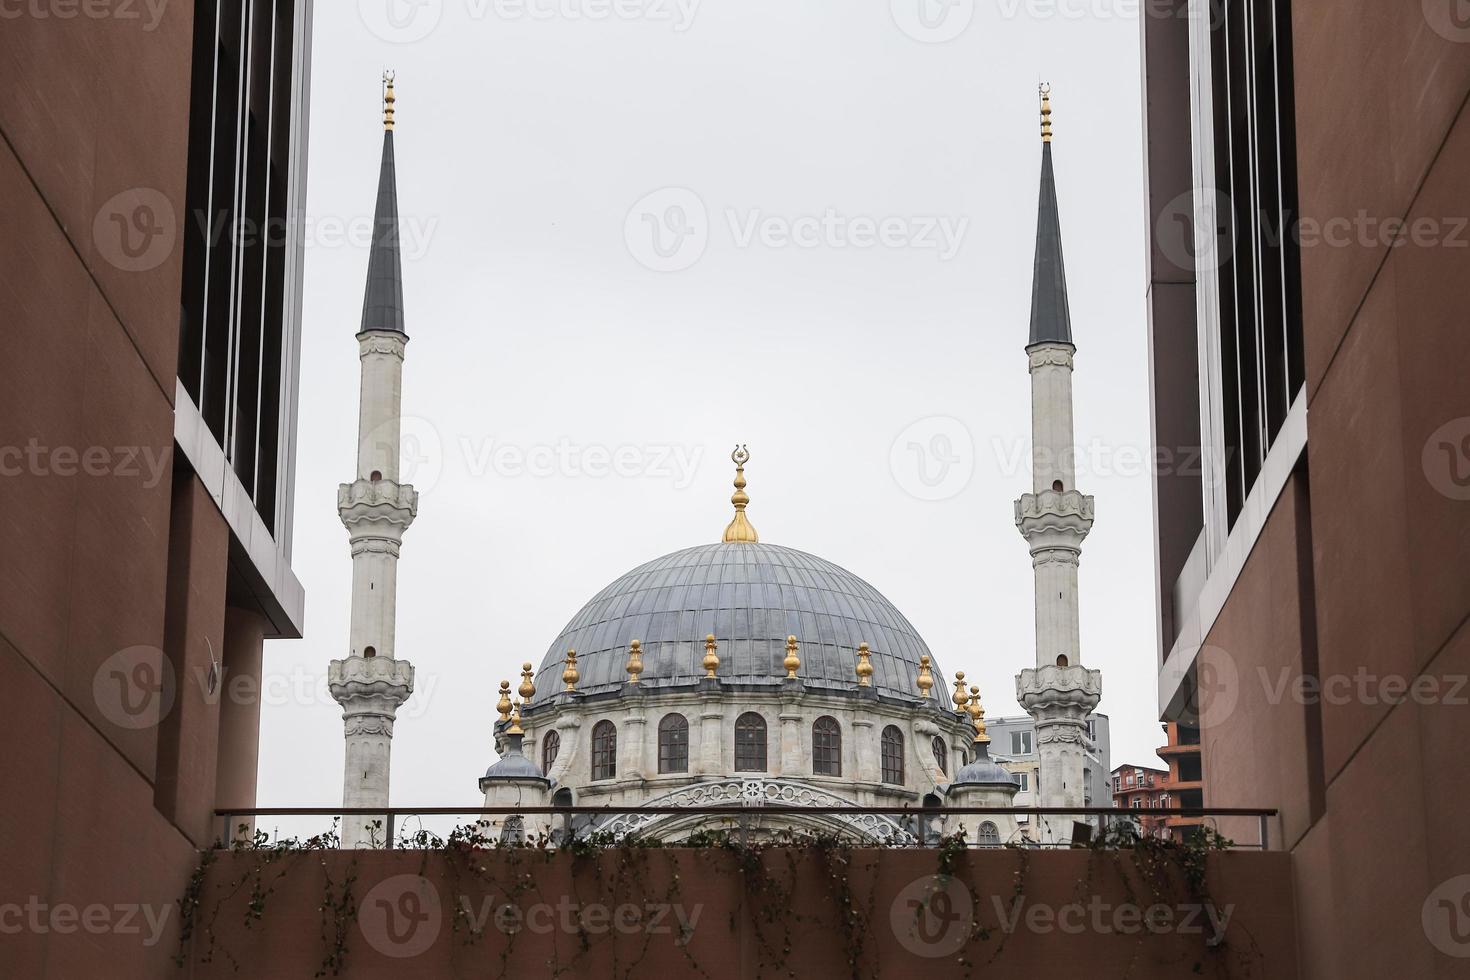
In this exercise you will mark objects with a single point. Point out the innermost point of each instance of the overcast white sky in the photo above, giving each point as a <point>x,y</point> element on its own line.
<point>847,351</point>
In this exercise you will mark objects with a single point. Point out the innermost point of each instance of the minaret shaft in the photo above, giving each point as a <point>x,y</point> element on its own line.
<point>378,426</point>
<point>1053,455</point>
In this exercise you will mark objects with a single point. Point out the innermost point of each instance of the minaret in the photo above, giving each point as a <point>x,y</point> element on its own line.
<point>376,509</point>
<point>1054,519</point>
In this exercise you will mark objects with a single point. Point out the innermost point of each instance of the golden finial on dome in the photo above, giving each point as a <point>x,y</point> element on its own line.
<point>864,668</point>
<point>570,676</point>
<point>515,721</point>
<point>635,661</point>
<point>388,99</point>
<point>960,697</point>
<point>977,717</point>
<point>1045,89</point>
<point>503,705</point>
<point>527,690</point>
<point>926,677</point>
<point>740,528</point>
<point>711,659</point>
<point>792,663</point>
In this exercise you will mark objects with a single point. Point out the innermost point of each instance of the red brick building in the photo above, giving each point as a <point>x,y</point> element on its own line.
<point>1141,787</point>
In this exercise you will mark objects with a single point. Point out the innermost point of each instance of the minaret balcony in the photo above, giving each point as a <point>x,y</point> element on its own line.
<point>1054,519</point>
<point>370,677</point>
<point>1065,689</point>
<point>377,508</point>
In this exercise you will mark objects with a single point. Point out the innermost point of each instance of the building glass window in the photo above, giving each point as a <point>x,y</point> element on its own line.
<point>989,834</point>
<point>673,744</point>
<point>939,754</point>
<point>1259,262</point>
<point>550,746</point>
<point>750,743</point>
<point>235,295</point>
<point>604,750</point>
<point>891,753</point>
<point>826,747</point>
<point>1021,742</point>
<point>1025,780</point>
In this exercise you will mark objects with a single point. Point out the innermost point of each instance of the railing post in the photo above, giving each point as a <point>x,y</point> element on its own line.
<point>388,823</point>
<point>1265,832</point>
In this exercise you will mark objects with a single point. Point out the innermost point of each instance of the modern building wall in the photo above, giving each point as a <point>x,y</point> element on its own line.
<point>1321,642</point>
<point>133,569</point>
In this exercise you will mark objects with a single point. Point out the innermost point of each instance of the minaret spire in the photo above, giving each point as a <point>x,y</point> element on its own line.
<point>382,304</point>
<point>371,682</point>
<point>1054,519</point>
<point>1051,320</point>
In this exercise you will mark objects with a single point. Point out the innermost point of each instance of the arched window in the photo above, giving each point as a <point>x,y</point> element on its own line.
<point>673,744</point>
<point>750,743</point>
<point>604,750</point>
<point>939,754</point>
<point>826,746</point>
<point>989,835</point>
<point>891,754</point>
<point>550,746</point>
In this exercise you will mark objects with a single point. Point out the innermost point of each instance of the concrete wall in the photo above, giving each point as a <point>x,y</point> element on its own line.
<point>405,901</point>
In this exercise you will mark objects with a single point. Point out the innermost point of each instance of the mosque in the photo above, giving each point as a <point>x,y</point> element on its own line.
<point>735,672</point>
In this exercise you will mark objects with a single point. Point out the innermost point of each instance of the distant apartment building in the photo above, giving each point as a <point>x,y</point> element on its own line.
<point>1138,787</point>
<point>1013,745</point>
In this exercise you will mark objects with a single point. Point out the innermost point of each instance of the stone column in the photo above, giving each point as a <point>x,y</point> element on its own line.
<point>711,738</point>
<point>370,689</point>
<point>635,732</point>
<point>864,751</point>
<point>792,738</point>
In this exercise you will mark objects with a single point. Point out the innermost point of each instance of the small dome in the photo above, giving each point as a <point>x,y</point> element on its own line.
<point>751,596</point>
<point>985,771</point>
<point>514,764</point>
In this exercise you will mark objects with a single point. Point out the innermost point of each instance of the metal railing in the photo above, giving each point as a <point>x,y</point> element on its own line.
<point>392,817</point>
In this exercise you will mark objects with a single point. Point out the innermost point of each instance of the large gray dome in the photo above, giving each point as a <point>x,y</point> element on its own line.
<point>751,597</point>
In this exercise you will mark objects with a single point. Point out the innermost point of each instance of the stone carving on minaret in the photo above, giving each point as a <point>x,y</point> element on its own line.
<point>1054,518</point>
<point>371,683</point>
